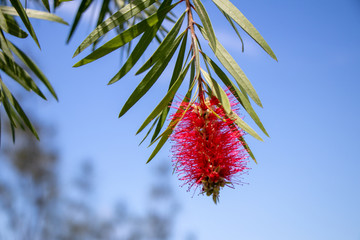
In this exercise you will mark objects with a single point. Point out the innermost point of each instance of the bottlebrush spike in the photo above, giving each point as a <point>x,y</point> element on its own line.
<point>206,148</point>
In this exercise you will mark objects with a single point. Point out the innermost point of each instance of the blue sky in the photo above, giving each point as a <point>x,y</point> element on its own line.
<point>306,182</point>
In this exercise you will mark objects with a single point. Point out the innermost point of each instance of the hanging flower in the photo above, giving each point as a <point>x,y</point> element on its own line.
<point>207,151</point>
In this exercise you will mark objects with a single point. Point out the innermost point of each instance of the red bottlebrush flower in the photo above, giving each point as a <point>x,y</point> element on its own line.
<point>207,151</point>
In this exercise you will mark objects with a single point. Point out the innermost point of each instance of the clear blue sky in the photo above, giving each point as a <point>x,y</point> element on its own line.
<point>306,184</point>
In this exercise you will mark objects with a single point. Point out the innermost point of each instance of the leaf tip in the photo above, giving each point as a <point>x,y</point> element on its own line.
<point>150,158</point>
<point>122,112</point>
<point>78,64</point>
<point>76,52</point>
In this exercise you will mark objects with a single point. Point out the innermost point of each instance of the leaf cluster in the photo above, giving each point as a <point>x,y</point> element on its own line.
<point>16,64</point>
<point>143,20</point>
<point>188,58</point>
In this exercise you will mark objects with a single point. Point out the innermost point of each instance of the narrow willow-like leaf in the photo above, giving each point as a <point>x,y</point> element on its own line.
<point>14,72</point>
<point>201,11</point>
<point>125,37</point>
<point>218,92</point>
<point>12,69</point>
<point>231,65</point>
<point>168,40</point>
<point>197,59</point>
<point>224,100</point>
<point>18,108</point>
<point>46,4</point>
<point>82,8</point>
<point>135,55</point>
<point>161,143</point>
<point>33,67</point>
<point>10,26</point>
<point>246,146</point>
<point>165,135</point>
<point>15,120</point>
<point>4,45</point>
<point>151,128</point>
<point>235,29</point>
<point>104,9</point>
<point>124,14</point>
<point>243,125</point>
<point>239,18</point>
<point>192,72</point>
<point>165,101</point>
<point>9,111</point>
<point>34,14</point>
<point>244,101</point>
<point>175,75</point>
<point>139,49</point>
<point>21,11</point>
<point>151,77</point>
<point>12,132</point>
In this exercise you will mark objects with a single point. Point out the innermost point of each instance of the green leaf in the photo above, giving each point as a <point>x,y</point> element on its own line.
<point>218,92</point>
<point>165,135</point>
<point>21,11</point>
<point>235,29</point>
<point>104,9</point>
<point>200,9</point>
<point>151,77</point>
<point>192,72</point>
<point>34,14</point>
<point>151,128</point>
<point>244,101</point>
<point>124,14</point>
<point>230,64</point>
<point>135,55</point>
<point>246,146</point>
<point>176,73</point>
<point>239,18</point>
<point>124,37</point>
<point>18,108</point>
<point>12,132</point>
<point>33,67</point>
<point>168,40</point>
<point>82,8</point>
<point>46,4</point>
<point>12,69</point>
<point>9,112</point>
<point>243,125</point>
<point>138,51</point>
<point>224,100</point>
<point>4,45</point>
<point>197,59</point>
<point>161,143</point>
<point>9,25</point>
<point>165,101</point>
<point>8,109</point>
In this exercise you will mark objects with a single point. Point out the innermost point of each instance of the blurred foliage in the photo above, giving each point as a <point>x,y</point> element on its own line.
<point>35,203</point>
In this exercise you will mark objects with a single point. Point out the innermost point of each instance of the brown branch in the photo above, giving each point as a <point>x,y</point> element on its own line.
<point>191,23</point>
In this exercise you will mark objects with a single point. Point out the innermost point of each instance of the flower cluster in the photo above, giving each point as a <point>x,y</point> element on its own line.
<point>207,151</point>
